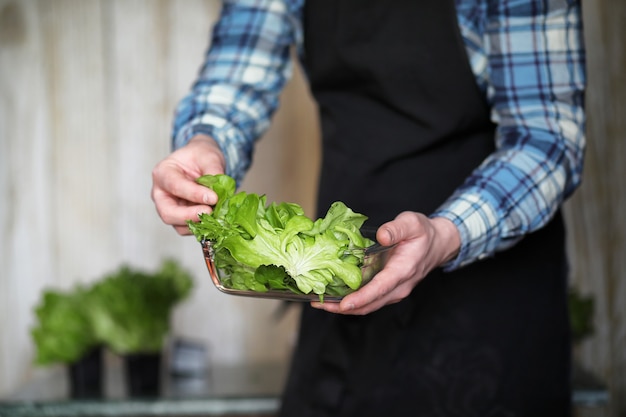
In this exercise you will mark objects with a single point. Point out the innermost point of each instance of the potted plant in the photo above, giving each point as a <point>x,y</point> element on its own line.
<point>581,309</point>
<point>130,314</point>
<point>63,335</point>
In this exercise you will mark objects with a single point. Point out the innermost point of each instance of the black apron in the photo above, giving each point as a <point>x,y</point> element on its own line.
<point>403,124</point>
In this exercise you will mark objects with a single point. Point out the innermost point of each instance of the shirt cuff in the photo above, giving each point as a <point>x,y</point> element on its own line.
<point>236,155</point>
<point>479,228</point>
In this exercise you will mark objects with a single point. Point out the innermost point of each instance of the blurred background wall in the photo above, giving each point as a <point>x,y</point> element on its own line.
<point>87,91</point>
<point>596,214</point>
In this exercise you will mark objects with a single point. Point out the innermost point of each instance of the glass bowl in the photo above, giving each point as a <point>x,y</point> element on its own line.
<point>375,258</point>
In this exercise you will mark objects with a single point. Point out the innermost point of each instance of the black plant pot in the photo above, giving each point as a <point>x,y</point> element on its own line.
<point>85,375</point>
<point>143,374</point>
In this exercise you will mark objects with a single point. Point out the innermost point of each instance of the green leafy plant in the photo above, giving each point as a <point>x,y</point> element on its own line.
<point>581,310</point>
<point>264,246</point>
<point>63,332</point>
<point>127,311</point>
<point>130,309</point>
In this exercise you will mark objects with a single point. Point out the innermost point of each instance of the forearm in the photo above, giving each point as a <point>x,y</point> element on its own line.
<point>238,87</point>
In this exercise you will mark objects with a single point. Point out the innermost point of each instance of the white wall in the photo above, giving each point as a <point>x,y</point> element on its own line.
<point>87,91</point>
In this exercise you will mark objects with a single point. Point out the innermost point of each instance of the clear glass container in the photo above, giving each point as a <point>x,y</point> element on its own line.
<point>374,260</point>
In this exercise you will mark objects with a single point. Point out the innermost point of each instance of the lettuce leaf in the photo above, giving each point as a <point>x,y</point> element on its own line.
<point>63,332</point>
<point>130,309</point>
<point>275,246</point>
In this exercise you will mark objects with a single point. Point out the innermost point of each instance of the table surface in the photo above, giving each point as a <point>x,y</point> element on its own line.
<point>235,389</point>
<point>223,390</point>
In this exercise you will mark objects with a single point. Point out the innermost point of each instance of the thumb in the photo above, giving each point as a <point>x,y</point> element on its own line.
<point>407,225</point>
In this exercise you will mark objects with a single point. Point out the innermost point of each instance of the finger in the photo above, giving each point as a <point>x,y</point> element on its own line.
<point>181,186</point>
<point>182,230</point>
<point>176,212</point>
<point>376,294</point>
<point>407,225</point>
<point>348,308</point>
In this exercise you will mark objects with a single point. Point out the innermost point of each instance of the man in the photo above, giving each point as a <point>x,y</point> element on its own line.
<point>456,128</point>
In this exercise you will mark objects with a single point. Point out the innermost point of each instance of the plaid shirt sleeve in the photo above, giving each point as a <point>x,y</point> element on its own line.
<point>244,71</point>
<point>529,59</point>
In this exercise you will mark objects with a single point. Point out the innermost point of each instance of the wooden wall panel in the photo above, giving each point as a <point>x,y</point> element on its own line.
<point>80,155</point>
<point>88,92</point>
<point>596,214</point>
<point>25,258</point>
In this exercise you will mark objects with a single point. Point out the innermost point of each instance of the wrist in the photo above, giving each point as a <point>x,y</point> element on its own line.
<point>447,238</point>
<point>202,138</point>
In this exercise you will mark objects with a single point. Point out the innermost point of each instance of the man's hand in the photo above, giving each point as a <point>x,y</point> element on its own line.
<point>422,245</point>
<point>175,193</point>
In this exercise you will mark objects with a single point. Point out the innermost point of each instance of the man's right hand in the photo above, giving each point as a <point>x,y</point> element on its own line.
<point>175,193</point>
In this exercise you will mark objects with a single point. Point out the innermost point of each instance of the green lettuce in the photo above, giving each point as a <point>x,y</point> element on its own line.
<point>130,309</point>
<point>63,331</point>
<point>127,311</point>
<point>263,247</point>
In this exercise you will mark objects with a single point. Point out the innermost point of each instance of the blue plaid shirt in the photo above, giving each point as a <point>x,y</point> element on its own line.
<point>528,59</point>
